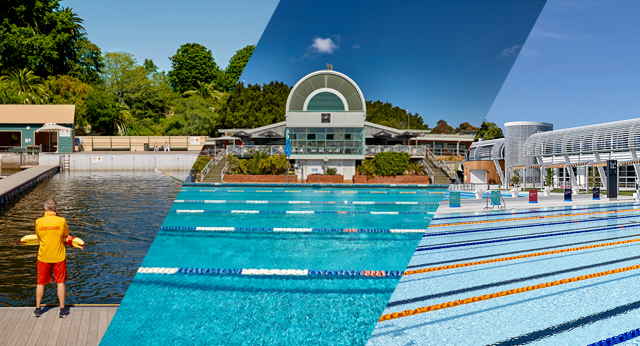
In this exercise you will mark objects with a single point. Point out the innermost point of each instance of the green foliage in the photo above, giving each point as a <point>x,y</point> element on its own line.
<point>192,116</point>
<point>415,169</point>
<point>442,127</point>
<point>259,163</point>
<point>41,36</point>
<point>388,115</point>
<point>594,178</point>
<point>254,105</point>
<point>191,64</point>
<point>331,171</point>
<point>103,113</point>
<point>515,179</point>
<point>387,163</point>
<point>488,131</point>
<point>28,87</point>
<point>390,163</point>
<point>65,90</point>
<point>548,179</point>
<point>367,168</point>
<point>465,126</point>
<point>201,163</point>
<point>236,65</point>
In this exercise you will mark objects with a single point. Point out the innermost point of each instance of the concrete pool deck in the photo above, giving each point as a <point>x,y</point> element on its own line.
<point>555,200</point>
<point>84,326</point>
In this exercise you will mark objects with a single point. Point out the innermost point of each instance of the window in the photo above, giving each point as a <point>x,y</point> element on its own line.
<point>325,101</point>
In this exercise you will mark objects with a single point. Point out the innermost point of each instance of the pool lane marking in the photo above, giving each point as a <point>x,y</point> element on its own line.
<point>535,211</point>
<point>223,201</point>
<point>299,230</point>
<point>437,247</point>
<point>435,234</point>
<point>180,211</point>
<point>269,272</point>
<point>316,191</point>
<point>532,218</point>
<point>632,334</point>
<point>475,299</point>
<point>510,258</point>
<point>519,251</point>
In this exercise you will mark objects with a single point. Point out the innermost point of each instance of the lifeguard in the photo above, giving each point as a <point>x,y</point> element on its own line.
<point>52,232</point>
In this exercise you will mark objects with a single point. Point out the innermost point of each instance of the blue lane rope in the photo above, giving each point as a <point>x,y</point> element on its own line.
<point>501,214</point>
<point>301,212</point>
<point>302,230</point>
<point>528,226</point>
<point>270,272</point>
<point>297,202</point>
<point>523,238</point>
<point>316,191</point>
<point>618,339</point>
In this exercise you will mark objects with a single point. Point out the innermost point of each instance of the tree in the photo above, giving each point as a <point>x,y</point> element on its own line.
<point>548,179</point>
<point>191,64</point>
<point>88,63</point>
<point>488,131</point>
<point>515,179</point>
<point>254,105</point>
<point>384,113</point>
<point>236,65</point>
<point>29,87</point>
<point>103,113</point>
<point>39,35</point>
<point>192,117</point>
<point>465,126</point>
<point>70,90</point>
<point>442,127</point>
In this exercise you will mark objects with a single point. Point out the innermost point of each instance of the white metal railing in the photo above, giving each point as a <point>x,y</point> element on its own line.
<point>412,150</point>
<point>224,171</point>
<point>428,171</point>
<point>212,163</point>
<point>441,164</point>
<point>247,150</point>
<point>463,187</point>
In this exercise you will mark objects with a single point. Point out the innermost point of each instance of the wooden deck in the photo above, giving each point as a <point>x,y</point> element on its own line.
<point>84,326</point>
<point>10,186</point>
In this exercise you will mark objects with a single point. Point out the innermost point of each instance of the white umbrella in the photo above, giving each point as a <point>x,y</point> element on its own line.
<point>52,127</point>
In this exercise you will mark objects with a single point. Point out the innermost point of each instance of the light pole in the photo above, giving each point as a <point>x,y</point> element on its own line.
<point>407,119</point>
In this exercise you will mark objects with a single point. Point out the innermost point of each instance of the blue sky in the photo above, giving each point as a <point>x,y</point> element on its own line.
<point>442,59</point>
<point>155,29</point>
<point>580,66</point>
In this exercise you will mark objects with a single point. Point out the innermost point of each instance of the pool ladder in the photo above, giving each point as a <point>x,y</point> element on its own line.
<point>501,203</point>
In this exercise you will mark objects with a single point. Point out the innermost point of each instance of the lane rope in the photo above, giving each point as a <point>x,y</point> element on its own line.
<point>269,272</point>
<point>317,191</point>
<point>297,202</point>
<point>532,218</point>
<point>428,248</point>
<point>632,334</point>
<point>290,229</point>
<point>510,258</point>
<point>475,299</point>
<point>302,212</point>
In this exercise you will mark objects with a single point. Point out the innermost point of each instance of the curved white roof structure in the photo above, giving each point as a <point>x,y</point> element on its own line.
<point>326,90</point>
<point>486,150</point>
<point>617,136</point>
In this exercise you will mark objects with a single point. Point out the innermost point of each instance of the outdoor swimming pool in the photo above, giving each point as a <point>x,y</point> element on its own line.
<point>344,249</point>
<point>547,276</point>
<point>117,214</point>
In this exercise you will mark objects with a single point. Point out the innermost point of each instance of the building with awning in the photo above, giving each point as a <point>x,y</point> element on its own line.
<point>19,125</point>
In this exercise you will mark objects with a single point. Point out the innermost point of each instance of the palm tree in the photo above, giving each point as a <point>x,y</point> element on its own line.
<point>26,83</point>
<point>77,30</point>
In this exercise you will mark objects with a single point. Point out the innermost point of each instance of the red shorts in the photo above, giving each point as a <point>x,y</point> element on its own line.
<point>59,272</point>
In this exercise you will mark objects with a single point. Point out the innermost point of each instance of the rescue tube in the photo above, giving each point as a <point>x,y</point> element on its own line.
<point>32,239</point>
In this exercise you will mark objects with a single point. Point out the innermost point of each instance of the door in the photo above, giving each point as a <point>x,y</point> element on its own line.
<point>48,140</point>
<point>478,176</point>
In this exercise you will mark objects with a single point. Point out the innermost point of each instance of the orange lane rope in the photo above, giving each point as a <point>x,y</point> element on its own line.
<point>441,306</point>
<point>502,259</point>
<point>533,218</point>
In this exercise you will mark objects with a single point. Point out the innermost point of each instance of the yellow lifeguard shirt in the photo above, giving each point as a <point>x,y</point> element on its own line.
<point>52,231</point>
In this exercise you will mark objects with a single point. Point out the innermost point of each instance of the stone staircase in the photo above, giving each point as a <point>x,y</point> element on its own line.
<point>440,177</point>
<point>215,174</point>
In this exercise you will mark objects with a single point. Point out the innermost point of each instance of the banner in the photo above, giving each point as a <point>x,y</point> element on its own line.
<point>567,195</point>
<point>533,196</point>
<point>454,199</point>
<point>596,193</point>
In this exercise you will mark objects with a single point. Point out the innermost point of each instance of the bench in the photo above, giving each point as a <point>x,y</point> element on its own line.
<point>120,143</point>
<point>99,143</point>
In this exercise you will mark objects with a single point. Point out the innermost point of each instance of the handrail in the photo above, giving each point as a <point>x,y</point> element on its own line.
<point>224,170</point>
<point>212,163</point>
<point>428,171</point>
<point>441,164</point>
<point>463,187</point>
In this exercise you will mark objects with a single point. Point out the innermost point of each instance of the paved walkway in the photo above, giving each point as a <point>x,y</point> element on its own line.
<point>555,200</point>
<point>84,326</point>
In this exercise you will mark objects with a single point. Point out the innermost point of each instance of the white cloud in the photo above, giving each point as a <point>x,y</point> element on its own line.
<point>559,36</point>
<point>355,46</point>
<point>511,51</point>
<point>324,45</point>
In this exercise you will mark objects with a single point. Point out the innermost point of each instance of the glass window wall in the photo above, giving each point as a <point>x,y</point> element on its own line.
<point>327,141</point>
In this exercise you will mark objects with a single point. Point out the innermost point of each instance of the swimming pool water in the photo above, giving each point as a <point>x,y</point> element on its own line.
<point>574,313</point>
<point>186,309</point>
